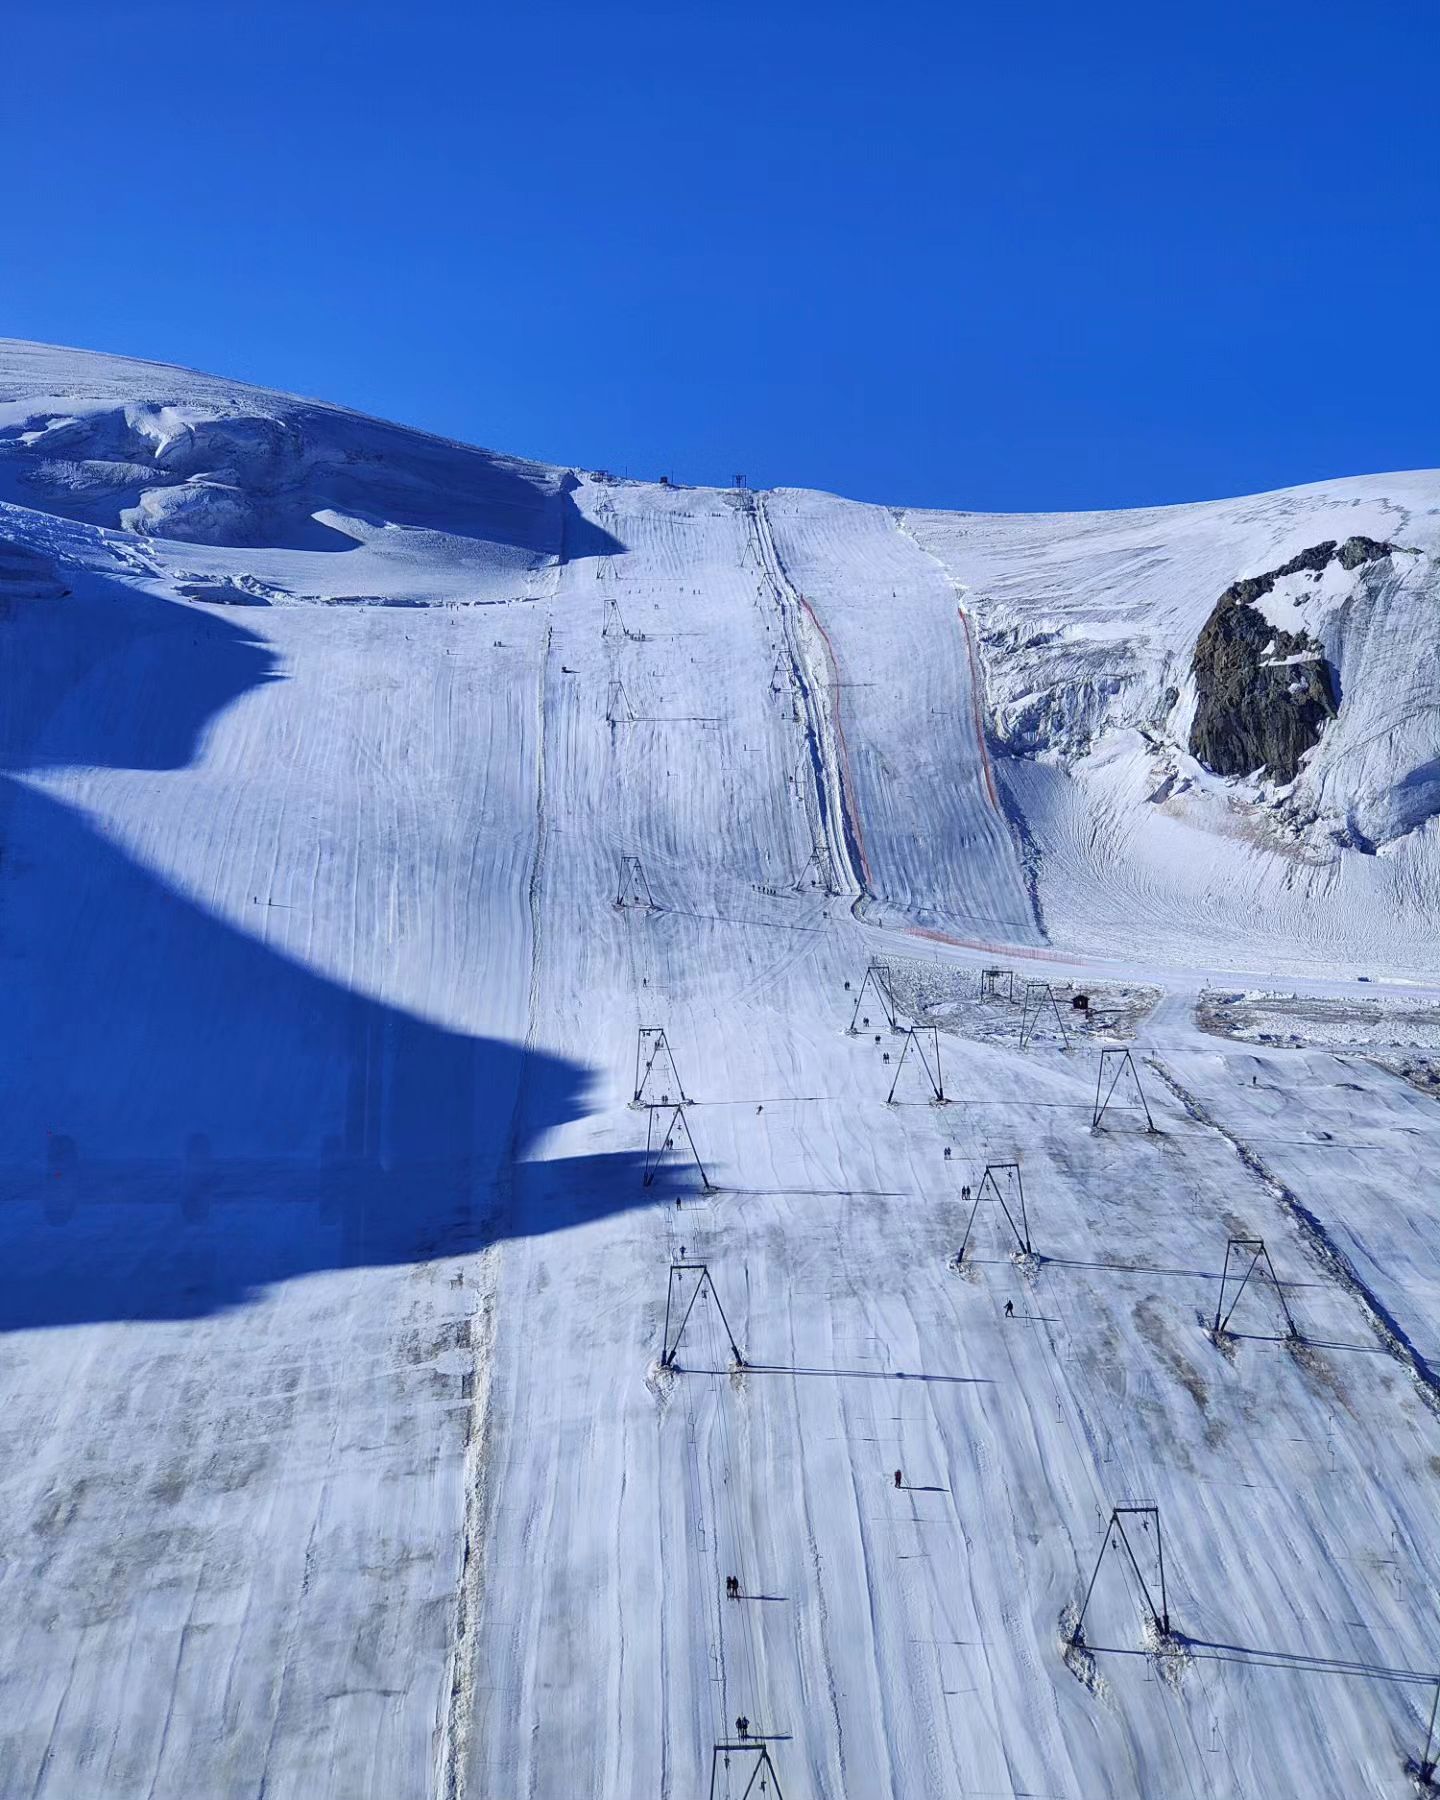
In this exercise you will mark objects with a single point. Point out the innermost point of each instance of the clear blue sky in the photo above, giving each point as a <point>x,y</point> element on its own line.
<point>1013,256</point>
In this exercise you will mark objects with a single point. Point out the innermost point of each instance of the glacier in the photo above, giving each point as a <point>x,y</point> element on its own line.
<point>345,1453</point>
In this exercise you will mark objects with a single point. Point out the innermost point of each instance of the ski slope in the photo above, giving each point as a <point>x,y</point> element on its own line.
<point>343,1459</point>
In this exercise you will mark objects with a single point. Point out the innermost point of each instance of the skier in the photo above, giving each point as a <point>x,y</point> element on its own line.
<point>898,1480</point>
<point>742,1728</point>
<point>1009,1309</point>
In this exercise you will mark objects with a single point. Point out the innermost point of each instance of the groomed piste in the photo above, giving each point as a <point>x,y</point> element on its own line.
<point>671,1141</point>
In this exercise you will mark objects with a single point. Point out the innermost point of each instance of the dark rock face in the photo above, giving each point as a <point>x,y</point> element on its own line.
<point>1357,550</point>
<point>1252,714</point>
<point>1257,709</point>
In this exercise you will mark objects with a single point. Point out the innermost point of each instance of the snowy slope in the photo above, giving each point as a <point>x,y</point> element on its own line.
<point>341,1457</point>
<point>1087,625</point>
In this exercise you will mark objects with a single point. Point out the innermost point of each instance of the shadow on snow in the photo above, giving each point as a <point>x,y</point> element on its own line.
<point>186,1116</point>
<point>259,481</point>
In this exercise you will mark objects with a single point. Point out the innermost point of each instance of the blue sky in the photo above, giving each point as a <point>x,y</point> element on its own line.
<point>999,256</point>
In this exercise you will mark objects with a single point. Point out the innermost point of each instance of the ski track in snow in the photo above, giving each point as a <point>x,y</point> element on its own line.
<point>305,1504</point>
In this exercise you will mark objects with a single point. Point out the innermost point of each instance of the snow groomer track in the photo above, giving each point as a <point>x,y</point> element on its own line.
<point>401,1352</point>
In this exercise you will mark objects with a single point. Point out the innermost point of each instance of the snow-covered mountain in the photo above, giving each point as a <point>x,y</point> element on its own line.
<point>344,1458</point>
<point>1231,814</point>
<point>1100,639</point>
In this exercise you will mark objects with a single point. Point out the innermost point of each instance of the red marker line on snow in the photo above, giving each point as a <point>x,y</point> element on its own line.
<point>852,813</point>
<point>847,779</point>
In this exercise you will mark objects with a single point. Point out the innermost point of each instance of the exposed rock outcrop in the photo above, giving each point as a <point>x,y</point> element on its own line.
<point>1263,694</point>
<point>1356,551</point>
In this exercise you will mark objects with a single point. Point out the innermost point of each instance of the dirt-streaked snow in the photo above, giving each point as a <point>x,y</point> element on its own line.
<point>340,1456</point>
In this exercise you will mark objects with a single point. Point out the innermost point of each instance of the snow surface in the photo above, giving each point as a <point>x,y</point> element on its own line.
<point>341,1456</point>
<point>1087,623</point>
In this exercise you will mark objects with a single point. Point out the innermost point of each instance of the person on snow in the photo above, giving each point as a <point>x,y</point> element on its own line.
<point>899,1482</point>
<point>1009,1309</point>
